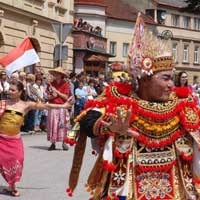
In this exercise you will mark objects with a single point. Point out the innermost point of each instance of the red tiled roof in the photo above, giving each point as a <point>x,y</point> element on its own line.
<point>117,9</point>
<point>173,3</point>
<point>90,2</point>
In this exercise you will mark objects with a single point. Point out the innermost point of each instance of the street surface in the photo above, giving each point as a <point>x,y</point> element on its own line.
<point>45,175</point>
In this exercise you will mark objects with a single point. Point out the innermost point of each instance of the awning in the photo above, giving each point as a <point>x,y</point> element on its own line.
<point>117,66</point>
<point>94,52</point>
<point>96,58</point>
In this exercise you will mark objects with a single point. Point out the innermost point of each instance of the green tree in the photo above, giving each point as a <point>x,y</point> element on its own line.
<point>193,5</point>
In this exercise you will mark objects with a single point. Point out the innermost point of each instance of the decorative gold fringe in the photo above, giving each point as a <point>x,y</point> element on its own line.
<point>100,186</point>
<point>97,178</point>
<point>77,160</point>
<point>96,173</point>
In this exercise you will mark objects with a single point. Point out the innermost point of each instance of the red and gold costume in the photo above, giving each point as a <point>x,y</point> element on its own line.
<point>155,165</point>
<point>11,144</point>
<point>163,162</point>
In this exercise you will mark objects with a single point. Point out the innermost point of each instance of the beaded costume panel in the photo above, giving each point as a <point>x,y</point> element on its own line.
<point>157,164</point>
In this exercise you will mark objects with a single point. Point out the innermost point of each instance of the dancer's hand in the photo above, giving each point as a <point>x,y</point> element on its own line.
<point>120,124</point>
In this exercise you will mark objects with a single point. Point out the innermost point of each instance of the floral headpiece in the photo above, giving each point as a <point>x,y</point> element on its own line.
<point>148,53</point>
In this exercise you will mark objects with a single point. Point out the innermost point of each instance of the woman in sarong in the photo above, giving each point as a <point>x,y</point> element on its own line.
<point>12,113</point>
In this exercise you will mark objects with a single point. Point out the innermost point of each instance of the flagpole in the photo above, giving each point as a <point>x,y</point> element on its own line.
<point>61,44</point>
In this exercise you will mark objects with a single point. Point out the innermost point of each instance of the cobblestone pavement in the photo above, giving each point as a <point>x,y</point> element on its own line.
<point>45,174</point>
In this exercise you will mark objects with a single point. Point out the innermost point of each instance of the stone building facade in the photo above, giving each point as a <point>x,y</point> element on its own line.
<point>33,19</point>
<point>116,20</point>
<point>181,27</point>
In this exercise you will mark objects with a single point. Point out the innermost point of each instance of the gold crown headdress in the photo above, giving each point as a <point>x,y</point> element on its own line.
<point>147,53</point>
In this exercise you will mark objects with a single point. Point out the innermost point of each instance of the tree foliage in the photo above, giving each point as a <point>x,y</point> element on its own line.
<point>193,5</point>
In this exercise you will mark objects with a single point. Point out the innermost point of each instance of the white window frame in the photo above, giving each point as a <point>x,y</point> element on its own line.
<point>175,20</point>
<point>186,22</point>
<point>175,52</point>
<point>113,47</point>
<point>125,49</point>
<point>197,23</point>
<point>186,53</point>
<point>196,55</point>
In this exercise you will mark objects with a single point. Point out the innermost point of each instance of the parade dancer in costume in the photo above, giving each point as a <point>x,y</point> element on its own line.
<point>148,138</point>
<point>12,114</point>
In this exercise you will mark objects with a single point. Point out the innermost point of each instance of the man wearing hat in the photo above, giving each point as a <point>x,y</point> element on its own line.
<point>148,137</point>
<point>58,93</point>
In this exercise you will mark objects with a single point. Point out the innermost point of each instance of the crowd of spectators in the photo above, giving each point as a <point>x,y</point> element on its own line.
<point>79,24</point>
<point>83,87</point>
<point>181,80</point>
<point>34,85</point>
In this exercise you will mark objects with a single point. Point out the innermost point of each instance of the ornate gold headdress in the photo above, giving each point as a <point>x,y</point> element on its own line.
<point>148,53</point>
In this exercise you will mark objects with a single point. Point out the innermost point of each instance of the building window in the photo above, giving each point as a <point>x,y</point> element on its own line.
<point>174,52</point>
<point>196,23</point>
<point>175,20</point>
<point>186,22</point>
<point>196,54</point>
<point>113,47</point>
<point>125,49</point>
<point>185,53</point>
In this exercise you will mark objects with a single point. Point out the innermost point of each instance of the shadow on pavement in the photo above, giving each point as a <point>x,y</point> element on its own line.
<point>5,193</point>
<point>33,188</point>
<point>2,188</point>
<point>43,148</point>
<point>39,147</point>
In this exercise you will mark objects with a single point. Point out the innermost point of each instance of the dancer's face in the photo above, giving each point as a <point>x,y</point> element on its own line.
<point>14,92</point>
<point>158,87</point>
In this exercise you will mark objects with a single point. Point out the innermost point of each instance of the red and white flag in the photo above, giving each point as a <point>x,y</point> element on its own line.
<point>23,55</point>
